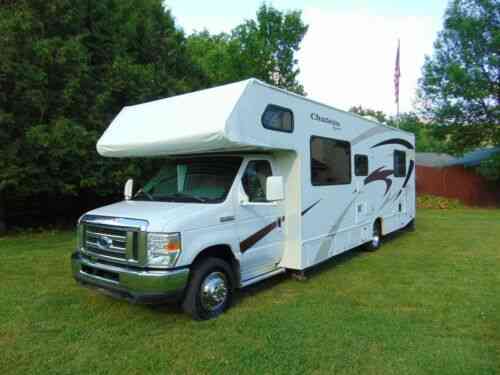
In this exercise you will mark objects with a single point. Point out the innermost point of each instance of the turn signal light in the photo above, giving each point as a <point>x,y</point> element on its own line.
<point>172,246</point>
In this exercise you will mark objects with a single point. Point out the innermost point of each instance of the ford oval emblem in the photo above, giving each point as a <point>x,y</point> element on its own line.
<point>104,243</point>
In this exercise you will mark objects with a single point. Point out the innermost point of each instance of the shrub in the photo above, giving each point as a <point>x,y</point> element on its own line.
<point>490,168</point>
<point>432,201</point>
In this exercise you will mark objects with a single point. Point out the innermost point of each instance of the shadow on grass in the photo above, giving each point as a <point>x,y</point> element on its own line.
<point>310,273</point>
<point>167,307</point>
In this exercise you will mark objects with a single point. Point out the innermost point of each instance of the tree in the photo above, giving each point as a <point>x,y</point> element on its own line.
<point>217,56</point>
<point>426,134</point>
<point>490,168</point>
<point>460,87</point>
<point>263,48</point>
<point>66,70</point>
<point>367,112</point>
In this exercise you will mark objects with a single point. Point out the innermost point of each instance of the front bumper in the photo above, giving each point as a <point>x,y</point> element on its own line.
<point>136,285</point>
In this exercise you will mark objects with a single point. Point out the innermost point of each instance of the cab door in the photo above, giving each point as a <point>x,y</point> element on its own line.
<point>260,223</point>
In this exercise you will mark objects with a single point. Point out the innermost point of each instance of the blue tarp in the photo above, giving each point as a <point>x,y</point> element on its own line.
<point>471,159</point>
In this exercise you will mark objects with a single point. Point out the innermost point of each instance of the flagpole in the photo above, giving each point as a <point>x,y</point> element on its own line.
<point>397,115</point>
<point>397,75</point>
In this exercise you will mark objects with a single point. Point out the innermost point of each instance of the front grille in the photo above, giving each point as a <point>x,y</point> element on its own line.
<point>118,244</point>
<point>106,241</point>
<point>111,239</point>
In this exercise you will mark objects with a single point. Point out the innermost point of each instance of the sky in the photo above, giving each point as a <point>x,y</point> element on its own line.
<point>348,55</point>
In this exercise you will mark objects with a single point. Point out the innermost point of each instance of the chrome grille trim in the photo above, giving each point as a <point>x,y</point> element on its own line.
<point>111,249</point>
<point>113,236</point>
<point>103,255</point>
<point>93,240</point>
<point>125,239</point>
<point>114,222</point>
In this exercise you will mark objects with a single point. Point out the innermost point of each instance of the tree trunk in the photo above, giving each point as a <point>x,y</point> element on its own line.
<point>3,224</point>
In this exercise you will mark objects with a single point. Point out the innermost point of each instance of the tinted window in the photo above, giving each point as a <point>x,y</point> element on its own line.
<point>278,118</point>
<point>360,165</point>
<point>330,161</point>
<point>200,180</point>
<point>399,163</point>
<point>254,180</point>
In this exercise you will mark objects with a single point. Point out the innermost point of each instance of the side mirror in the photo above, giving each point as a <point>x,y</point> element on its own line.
<point>274,189</point>
<point>128,189</point>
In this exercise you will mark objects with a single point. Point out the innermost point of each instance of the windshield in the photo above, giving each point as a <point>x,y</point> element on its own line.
<point>201,180</point>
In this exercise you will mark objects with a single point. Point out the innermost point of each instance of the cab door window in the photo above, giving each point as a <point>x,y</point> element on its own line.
<point>254,180</point>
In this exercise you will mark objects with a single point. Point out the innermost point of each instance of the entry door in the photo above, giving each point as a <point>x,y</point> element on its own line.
<point>361,166</point>
<point>260,223</point>
<point>400,170</point>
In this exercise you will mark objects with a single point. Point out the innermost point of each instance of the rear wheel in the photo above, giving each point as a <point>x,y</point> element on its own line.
<point>376,240</point>
<point>210,291</point>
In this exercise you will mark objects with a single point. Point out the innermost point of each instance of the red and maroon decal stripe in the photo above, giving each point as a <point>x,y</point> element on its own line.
<point>251,240</point>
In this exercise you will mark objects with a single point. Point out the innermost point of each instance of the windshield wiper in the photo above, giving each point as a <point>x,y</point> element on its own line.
<point>141,191</point>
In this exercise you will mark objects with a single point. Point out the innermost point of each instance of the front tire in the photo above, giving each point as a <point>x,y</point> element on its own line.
<point>210,290</point>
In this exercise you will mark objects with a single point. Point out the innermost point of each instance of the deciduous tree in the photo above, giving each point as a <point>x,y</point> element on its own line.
<point>460,86</point>
<point>263,48</point>
<point>380,116</point>
<point>66,69</point>
<point>426,134</point>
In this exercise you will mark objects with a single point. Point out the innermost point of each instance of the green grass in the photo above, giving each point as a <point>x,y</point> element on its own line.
<point>427,303</point>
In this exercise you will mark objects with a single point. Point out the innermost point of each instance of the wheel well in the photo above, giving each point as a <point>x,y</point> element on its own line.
<point>378,221</point>
<point>222,252</point>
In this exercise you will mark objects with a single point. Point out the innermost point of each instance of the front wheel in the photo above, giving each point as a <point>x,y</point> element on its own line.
<point>376,240</point>
<point>210,290</point>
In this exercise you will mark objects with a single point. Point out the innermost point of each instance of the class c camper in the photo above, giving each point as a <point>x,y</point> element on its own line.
<point>254,181</point>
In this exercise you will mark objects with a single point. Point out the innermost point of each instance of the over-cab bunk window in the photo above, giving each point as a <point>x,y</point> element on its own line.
<point>277,118</point>
<point>399,163</point>
<point>330,161</point>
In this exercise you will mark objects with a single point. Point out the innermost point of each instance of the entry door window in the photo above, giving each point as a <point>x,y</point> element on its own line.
<point>254,180</point>
<point>360,165</point>
<point>399,163</point>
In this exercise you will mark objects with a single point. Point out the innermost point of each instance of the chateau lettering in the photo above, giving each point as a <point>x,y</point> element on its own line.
<point>335,124</point>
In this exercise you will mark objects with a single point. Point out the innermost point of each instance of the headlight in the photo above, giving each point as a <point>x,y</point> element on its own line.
<point>163,249</point>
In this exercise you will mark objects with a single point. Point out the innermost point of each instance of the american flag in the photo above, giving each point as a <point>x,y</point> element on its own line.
<point>397,74</point>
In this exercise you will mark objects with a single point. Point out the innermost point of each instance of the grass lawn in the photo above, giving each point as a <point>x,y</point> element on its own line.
<point>427,303</point>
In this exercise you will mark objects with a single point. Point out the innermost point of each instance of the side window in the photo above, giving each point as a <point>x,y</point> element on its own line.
<point>361,165</point>
<point>254,180</point>
<point>399,163</point>
<point>277,118</point>
<point>330,161</point>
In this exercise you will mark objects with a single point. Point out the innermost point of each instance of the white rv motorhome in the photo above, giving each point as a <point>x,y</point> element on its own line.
<point>254,181</point>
